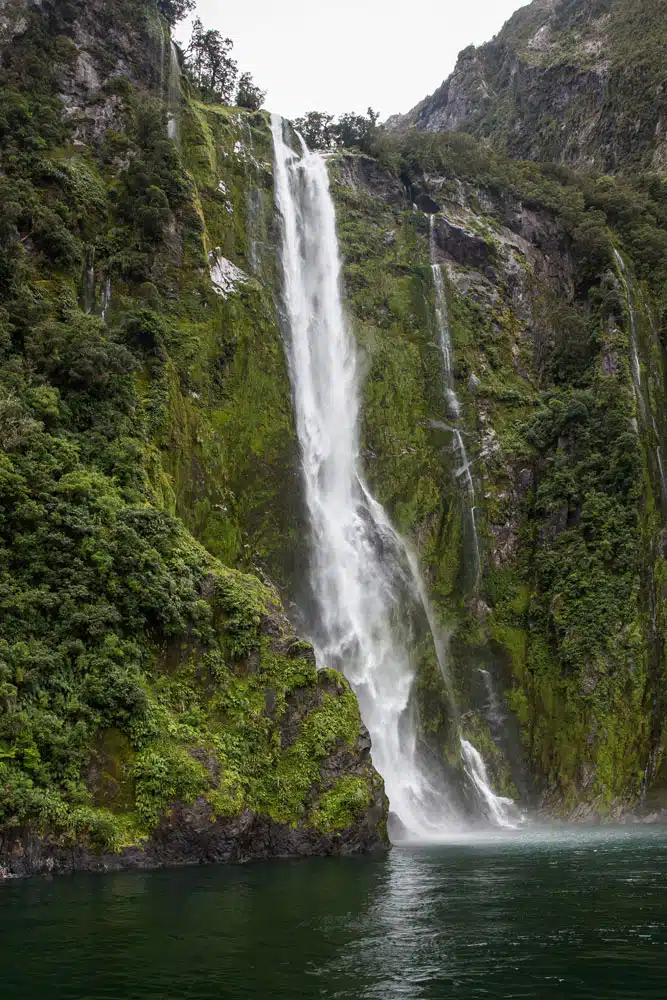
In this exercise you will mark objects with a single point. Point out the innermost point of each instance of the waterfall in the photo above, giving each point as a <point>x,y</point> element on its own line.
<point>173,93</point>
<point>498,809</point>
<point>634,350</point>
<point>89,289</point>
<point>368,597</point>
<point>106,299</point>
<point>464,469</point>
<point>643,404</point>
<point>88,282</point>
<point>661,465</point>
<point>494,710</point>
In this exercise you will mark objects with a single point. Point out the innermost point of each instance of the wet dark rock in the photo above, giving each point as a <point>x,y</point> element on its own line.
<point>425,203</point>
<point>191,836</point>
<point>461,246</point>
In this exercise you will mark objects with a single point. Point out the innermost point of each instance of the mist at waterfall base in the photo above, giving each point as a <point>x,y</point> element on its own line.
<point>372,619</point>
<point>543,915</point>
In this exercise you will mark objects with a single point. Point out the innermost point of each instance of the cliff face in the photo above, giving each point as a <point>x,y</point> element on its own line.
<point>570,81</point>
<point>155,705</point>
<point>556,612</point>
<point>570,335</point>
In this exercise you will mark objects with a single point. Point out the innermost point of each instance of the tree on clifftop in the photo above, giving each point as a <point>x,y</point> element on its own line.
<point>351,131</point>
<point>210,65</point>
<point>176,10</point>
<point>249,95</point>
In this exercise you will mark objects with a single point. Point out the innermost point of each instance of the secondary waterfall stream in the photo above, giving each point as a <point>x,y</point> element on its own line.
<point>173,93</point>
<point>464,470</point>
<point>640,389</point>
<point>368,596</point>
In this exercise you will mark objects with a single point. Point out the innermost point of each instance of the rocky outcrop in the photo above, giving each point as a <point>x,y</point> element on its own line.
<point>338,805</point>
<point>191,836</point>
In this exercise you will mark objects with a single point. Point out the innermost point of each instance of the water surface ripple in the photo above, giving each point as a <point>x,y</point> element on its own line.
<point>558,914</point>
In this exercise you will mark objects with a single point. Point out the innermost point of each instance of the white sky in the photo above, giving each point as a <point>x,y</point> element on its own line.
<point>344,55</point>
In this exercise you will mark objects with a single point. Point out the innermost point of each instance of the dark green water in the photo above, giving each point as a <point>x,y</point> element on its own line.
<point>565,915</point>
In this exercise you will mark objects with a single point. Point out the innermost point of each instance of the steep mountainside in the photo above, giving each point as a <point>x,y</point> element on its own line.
<point>580,82</point>
<point>156,705</point>
<point>152,701</point>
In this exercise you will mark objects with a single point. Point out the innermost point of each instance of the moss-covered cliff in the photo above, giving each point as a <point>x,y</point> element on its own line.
<point>573,81</point>
<point>558,642</point>
<point>155,704</point>
<point>148,694</point>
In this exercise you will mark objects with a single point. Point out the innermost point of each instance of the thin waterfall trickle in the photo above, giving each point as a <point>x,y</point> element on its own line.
<point>500,811</point>
<point>661,464</point>
<point>173,93</point>
<point>639,388</point>
<point>88,281</point>
<point>89,299</point>
<point>464,470</point>
<point>369,598</point>
<point>634,350</point>
<point>497,808</point>
<point>106,299</point>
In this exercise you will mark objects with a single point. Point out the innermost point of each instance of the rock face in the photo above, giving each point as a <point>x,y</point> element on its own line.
<point>541,322</point>
<point>571,81</point>
<point>190,837</point>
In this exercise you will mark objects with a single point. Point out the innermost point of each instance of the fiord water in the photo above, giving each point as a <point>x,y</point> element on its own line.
<point>538,914</point>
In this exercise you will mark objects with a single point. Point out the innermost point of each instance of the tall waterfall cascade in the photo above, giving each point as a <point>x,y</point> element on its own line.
<point>369,598</point>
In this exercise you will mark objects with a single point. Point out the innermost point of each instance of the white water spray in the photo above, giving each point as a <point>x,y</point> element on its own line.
<point>368,597</point>
<point>500,811</point>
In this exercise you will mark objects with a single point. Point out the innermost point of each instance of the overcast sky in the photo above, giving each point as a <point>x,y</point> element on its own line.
<point>344,55</point>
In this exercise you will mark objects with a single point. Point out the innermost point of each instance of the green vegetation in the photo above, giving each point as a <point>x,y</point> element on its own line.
<point>145,432</point>
<point>339,807</point>
<point>350,131</point>
<point>564,626</point>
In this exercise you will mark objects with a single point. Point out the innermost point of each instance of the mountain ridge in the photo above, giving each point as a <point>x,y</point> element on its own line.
<point>578,82</point>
